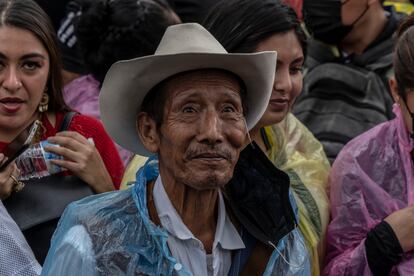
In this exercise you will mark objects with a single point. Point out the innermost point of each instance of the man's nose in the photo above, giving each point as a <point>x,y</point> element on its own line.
<point>210,128</point>
<point>11,80</point>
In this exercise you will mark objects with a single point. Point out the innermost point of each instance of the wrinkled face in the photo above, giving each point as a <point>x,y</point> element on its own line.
<point>203,129</point>
<point>24,69</point>
<point>288,81</point>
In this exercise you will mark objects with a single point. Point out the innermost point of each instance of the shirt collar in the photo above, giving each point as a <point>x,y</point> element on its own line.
<point>226,234</point>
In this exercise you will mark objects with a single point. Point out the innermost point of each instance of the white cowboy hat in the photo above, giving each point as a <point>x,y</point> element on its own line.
<point>184,47</point>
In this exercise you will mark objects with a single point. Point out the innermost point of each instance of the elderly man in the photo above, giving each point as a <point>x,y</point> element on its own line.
<point>191,103</point>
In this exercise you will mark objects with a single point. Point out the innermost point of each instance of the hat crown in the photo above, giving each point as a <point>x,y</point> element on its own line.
<point>183,48</point>
<point>188,38</point>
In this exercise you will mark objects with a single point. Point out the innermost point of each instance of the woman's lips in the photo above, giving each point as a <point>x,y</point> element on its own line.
<point>279,104</point>
<point>11,105</point>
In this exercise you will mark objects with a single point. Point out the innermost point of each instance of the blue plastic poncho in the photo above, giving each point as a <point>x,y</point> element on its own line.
<point>112,234</point>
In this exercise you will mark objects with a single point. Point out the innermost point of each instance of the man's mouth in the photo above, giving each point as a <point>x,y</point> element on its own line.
<point>209,156</point>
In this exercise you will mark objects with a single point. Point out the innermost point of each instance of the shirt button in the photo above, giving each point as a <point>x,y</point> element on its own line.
<point>178,266</point>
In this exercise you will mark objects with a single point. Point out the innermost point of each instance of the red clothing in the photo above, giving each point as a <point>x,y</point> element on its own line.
<point>297,6</point>
<point>89,128</point>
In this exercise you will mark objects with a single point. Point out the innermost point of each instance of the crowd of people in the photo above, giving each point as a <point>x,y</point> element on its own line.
<point>188,137</point>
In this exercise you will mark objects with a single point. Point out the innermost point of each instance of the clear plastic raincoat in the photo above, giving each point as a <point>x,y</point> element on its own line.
<point>112,234</point>
<point>371,178</point>
<point>294,150</point>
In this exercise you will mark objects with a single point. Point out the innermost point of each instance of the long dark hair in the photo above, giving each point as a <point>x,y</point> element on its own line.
<point>240,25</point>
<point>27,15</point>
<point>109,31</point>
<point>404,57</point>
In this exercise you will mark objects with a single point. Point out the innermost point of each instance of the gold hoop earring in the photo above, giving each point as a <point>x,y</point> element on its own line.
<point>43,106</point>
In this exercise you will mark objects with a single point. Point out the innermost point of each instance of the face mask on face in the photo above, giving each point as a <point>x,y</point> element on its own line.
<point>323,18</point>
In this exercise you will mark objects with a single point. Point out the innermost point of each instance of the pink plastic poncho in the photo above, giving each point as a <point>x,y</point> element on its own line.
<point>371,178</point>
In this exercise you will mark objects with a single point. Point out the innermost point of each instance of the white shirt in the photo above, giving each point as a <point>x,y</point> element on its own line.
<point>186,248</point>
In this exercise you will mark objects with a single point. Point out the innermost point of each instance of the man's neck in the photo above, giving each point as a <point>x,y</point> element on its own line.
<point>197,209</point>
<point>257,137</point>
<point>365,31</point>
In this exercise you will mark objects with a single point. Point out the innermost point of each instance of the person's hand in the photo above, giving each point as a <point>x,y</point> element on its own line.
<point>7,183</point>
<point>81,158</point>
<point>402,222</point>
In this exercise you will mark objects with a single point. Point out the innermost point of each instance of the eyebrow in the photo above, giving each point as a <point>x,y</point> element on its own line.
<point>33,55</point>
<point>27,56</point>
<point>230,93</point>
<point>234,94</point>
<point>299,59</point>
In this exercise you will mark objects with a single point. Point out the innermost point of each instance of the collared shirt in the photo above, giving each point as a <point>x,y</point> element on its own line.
<point>112,234</point>
<point>186,248</point>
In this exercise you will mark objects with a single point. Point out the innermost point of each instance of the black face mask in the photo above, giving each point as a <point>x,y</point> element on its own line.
<point>258,194</point>
<point>324,21</point>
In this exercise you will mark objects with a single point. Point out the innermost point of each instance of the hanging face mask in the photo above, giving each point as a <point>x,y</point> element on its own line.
<point>323,19</point>
<point>258,194</point>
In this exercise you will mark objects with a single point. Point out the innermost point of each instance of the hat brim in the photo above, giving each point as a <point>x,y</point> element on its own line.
<point>128,82</point>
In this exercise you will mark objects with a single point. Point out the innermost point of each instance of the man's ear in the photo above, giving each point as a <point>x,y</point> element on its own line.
<point>394,89</point>
<point>147,132</point>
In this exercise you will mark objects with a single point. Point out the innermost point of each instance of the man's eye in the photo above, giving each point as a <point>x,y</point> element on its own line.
<point>228,109</point>
<point>189,109</point>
